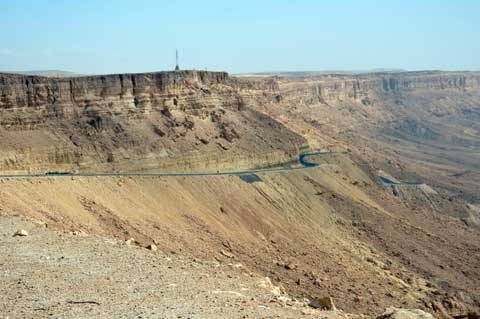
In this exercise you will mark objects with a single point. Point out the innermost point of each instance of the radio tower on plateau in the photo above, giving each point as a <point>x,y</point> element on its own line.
<point>177,68</point>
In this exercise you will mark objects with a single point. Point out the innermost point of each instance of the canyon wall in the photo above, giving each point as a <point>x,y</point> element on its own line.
<point>361,87</point>
<point>149,120</point>
<point>30,100</point>
<point>172,121</point>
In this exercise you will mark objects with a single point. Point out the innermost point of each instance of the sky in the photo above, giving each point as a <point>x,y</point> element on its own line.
<point>239,36</point>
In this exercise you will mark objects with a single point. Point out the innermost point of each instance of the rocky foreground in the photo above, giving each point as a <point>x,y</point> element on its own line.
<point>76,275</point>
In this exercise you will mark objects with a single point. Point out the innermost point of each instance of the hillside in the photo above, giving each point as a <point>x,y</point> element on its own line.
<point>334,230</point>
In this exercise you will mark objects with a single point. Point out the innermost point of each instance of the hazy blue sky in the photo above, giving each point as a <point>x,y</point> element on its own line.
<point>110,36</point>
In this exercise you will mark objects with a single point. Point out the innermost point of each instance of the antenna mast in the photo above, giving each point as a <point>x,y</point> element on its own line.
<point>177,68</point>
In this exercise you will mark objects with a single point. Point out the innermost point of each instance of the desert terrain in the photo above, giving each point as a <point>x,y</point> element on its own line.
<point>334,230</point>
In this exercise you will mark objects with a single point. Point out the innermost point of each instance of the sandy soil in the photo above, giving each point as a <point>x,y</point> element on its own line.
<point>61,275</point>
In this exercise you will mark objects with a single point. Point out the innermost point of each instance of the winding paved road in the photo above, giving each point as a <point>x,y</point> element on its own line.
<point>302,161</point>
<point>388,181</point>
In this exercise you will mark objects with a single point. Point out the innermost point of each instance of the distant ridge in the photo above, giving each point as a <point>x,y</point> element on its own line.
<point>47,73</point>
<point>314,73</point>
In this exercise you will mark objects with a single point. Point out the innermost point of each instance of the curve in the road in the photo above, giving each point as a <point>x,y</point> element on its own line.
<point>302,161</point>
<point>388,181</point>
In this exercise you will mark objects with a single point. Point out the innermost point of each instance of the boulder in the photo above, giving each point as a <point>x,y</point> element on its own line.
<point>227,254</point>
<point>130,242</point>
<point>397,313</point>
<point>290,266</point>
<point>324,303</point>
<point>21,233</point>
<point>267,284</point>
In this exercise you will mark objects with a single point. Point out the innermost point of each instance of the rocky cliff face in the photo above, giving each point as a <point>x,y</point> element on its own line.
<point>362,87</point>
<point>30,100</point>
<point>113,119</point>
<point>119,119</point>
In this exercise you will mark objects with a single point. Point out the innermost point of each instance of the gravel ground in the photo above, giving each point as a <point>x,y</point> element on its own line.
<point>59,275</point>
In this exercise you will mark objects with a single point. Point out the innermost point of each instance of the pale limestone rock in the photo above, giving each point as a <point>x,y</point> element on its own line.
<point>397,313</point>
<point>21,233</point>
